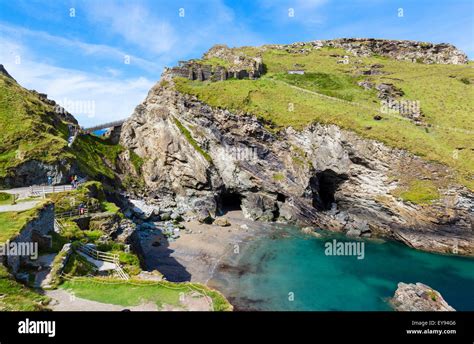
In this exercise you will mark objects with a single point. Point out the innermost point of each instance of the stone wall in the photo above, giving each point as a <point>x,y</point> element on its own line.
<point>37,231</point>
<point>202,72</point>
<point>237,65</point>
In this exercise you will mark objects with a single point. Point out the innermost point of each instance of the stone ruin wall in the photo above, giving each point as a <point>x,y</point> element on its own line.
<point>202,72</point>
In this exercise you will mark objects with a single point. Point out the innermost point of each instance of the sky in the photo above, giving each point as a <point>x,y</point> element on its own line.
<point>99,58</point>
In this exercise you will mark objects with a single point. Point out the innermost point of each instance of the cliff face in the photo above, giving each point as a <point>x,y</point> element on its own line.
<point>199,159</point>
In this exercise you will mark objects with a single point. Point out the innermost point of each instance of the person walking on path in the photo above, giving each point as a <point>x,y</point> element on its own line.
<point>82,209</point>
<point>50,180</point>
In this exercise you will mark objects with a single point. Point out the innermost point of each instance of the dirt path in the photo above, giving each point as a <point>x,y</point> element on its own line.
<point>66,301</point>
<point>18,207</point>
<point>45,262</point>
<point>62,300</point>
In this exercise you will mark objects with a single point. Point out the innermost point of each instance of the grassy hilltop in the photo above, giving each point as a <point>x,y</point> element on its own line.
<point>445,94</point>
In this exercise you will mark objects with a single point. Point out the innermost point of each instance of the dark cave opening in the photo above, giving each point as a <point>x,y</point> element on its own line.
<point>326,183</point>
<point>281,198</point>
<point>230,201</point>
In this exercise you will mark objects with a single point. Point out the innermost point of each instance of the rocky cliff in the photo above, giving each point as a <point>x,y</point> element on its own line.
<point>419,297</point>
<point>423,52</point>
<point>199,159</point>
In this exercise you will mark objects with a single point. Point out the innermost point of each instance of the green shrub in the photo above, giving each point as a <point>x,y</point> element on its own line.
<point>419,192</point>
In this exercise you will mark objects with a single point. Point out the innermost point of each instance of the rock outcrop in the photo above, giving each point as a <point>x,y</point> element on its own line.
<point>413,51</point>
<point>234,64</point>
<point>199,160</point>
<point>418,298</point>
<point>3,71</point>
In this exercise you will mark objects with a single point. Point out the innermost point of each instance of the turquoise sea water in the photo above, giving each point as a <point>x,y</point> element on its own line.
<point>289,271</point>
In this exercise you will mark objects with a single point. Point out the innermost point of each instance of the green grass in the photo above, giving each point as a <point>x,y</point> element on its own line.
<point>214,61</point>
<point>11,223</point>
<point>77,265</point>
<point>334,85</point>
<point>71,230</point>
<point>278,177</point>
<point>15,296</point>
<point>445,100</point>
<point>112,208</point>
<point>97,157</point>
<point>5,198</point>
<point>137,161</point>
<point>192,141</point>
<point>419,192</point>
<point>129,260</point>
<point>135,292</point>
<point>91,194</point>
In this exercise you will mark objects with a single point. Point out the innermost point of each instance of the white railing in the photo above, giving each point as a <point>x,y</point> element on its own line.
<point>99,255</point>
<point>73,213</point>
<point>58,227</point>
<point>106,257</point>
<point>43,190</point>
<point>121,274</point>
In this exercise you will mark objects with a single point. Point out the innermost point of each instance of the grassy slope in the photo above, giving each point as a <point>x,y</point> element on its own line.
<point>5,198</point>
<point>11,223</point>
<point>446,101</point>
<point>96,156</point>
<point>134,292</point>
<point>17,297</point>
<point>29,130</point>
<point>14,295</point>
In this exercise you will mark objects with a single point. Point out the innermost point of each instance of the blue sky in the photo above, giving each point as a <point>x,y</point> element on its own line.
<point>81,58</point>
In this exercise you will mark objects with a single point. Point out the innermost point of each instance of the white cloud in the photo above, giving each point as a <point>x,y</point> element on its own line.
<point>84,48</point>
<point>141,25</point>
<point>135,24</point>
<point>113,98</point>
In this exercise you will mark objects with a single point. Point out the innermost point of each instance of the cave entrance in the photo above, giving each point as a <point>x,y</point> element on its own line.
<point>327,182</point>
<point>230,201</point>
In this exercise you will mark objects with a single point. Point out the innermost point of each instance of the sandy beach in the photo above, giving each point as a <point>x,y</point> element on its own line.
<point>196,255</point>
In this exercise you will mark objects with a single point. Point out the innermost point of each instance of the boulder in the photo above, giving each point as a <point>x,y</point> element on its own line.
<point>418,297</point>
<point>311,231</point>
<point>165,216</point>
<point>222,221</point>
